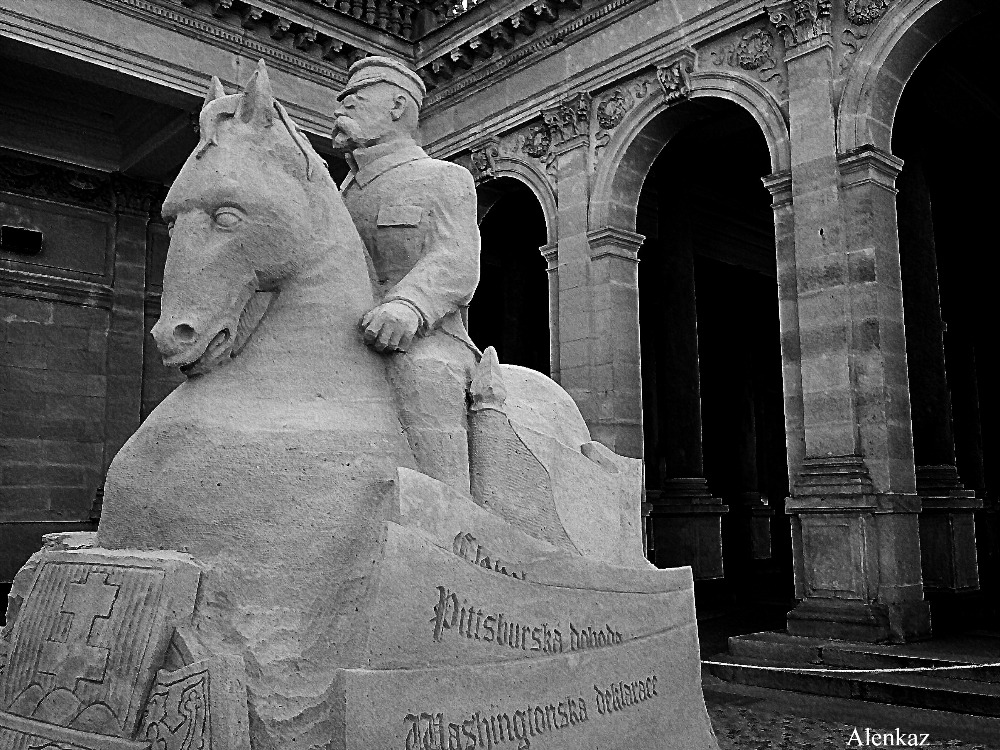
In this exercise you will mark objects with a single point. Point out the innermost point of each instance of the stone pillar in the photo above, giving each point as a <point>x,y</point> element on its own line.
<point>126,332</point>
<point>780,187</point>
<point>616,378</point>
<point>947,522</point>
<point>854,507</point>
<point>572,275</point>
<point>685,519</point>
<point>550,253</point>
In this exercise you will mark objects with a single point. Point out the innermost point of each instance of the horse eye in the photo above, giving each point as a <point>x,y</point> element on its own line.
<point>227,218</point>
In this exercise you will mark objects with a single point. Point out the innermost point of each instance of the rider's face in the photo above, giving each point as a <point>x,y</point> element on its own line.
<point>364,117</point>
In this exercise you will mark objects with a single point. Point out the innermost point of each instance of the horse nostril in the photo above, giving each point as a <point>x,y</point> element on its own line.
<point>183,332</point>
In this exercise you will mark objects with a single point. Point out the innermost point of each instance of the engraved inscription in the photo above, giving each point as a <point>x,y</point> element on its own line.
<point>467,547</point>
<point>474,623</point>
<point>622,695</point>
<point>430,731</point>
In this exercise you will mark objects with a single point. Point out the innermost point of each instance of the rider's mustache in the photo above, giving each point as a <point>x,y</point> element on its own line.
<point>352,133</point>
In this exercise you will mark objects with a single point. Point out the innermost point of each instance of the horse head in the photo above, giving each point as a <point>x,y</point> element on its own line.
<point>253,208</point>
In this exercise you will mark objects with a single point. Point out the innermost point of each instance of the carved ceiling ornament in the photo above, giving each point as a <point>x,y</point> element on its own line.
<point>674,76</point>
<point>800,21</point>
<point>484,160</point>
<point>864,12</point>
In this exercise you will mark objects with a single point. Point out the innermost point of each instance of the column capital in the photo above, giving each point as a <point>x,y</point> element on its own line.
<point>616,242</point>
<point>779,185</point>
<point>551,254</point>
<point>803,24</point>
<point>869,165</point>
<point>568,122</point>
<point>674,75</point>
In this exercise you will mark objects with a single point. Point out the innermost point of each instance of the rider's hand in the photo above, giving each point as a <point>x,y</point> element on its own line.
<point>391,326</point>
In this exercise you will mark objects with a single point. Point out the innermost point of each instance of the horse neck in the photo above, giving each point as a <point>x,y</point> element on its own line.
<point>312,325</point>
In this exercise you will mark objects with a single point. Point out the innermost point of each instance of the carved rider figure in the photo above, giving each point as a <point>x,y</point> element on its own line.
<point>417,218</point>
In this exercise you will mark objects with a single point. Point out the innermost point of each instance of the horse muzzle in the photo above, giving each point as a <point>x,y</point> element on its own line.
<point>184,347</point>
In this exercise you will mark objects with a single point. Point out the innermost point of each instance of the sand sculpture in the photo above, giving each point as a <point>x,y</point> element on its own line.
<point>273,572</point>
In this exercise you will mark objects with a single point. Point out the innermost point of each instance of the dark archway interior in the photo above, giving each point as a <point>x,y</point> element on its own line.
<point>510,310</point>
<point>711,362</point>
<point>945,130</point>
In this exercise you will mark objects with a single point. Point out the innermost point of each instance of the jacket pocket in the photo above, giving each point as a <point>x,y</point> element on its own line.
<point>399,240</point>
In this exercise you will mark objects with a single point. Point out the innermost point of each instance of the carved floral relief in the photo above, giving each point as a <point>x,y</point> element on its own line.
<point>484,160</point>
<point>858,14</point>
<point>613,106</point>
<point>755,51</point>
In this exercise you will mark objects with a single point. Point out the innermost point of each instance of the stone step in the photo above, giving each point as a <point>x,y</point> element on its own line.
<point>845,654</point>
<point>918,690</point>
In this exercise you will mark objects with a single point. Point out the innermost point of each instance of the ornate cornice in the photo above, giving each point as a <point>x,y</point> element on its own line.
<point>446,78</point>
<point>293,44</point>
<point>38,286</point>
<point>96,190</point>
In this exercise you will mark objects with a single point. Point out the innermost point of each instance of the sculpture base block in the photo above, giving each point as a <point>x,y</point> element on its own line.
<point>646,693</point>
<point>470,633</point>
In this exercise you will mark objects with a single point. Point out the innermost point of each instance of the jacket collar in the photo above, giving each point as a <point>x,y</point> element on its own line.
<point>378,159</point>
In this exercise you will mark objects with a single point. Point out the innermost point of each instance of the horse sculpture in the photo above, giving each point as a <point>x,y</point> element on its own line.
<point>280,475</point>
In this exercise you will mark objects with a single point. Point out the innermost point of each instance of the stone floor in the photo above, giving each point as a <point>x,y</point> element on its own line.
<point>748,718</point>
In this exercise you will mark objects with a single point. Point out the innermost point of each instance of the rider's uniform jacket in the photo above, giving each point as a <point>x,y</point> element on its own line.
<point>417,218</point>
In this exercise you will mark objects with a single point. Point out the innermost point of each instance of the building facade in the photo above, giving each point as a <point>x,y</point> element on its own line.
<point>759,228</point>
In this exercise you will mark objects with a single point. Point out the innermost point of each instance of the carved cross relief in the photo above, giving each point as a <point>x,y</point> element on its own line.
<point>75,658</point>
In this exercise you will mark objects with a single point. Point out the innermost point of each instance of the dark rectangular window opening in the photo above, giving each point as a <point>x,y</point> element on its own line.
<point>20,240</point>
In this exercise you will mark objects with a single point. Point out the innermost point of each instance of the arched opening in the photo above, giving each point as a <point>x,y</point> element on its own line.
<point>510,310</point>
<point>944,130</point>
<point>711,365</point>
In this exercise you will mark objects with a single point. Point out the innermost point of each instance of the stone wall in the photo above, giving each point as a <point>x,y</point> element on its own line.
<point>72,331</point>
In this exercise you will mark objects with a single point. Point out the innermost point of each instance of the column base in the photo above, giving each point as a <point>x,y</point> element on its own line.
<point>856,554</point>
<point>756,513</point>
<point>947,531</point>
<point>686,527</point>
<point>871,622</point>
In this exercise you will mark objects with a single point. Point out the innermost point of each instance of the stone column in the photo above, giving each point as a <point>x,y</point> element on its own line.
<point>123,405</point>
<point>853,505</point>
<point>550,253</point>
<point>572,277</point>
<point>947,521</point>
<point>780,187</point>
<point>616,378</point>
<point>685,519</point>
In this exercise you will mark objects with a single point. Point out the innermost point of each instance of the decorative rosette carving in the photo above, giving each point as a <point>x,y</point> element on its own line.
<point>864,12</point>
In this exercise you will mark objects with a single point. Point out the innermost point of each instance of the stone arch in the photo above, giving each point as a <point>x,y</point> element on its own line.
<point>536,182</point>
<point>648,127</point>
<point>881,69</point>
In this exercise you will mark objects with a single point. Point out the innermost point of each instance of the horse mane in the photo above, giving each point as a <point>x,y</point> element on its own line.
<point>222,110</point>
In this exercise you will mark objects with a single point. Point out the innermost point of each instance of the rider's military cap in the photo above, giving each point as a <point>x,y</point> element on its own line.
<point>379,69</point>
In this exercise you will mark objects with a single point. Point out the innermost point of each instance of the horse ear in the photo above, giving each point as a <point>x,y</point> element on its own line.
<point>257,102</point>
<point>215,91</point>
